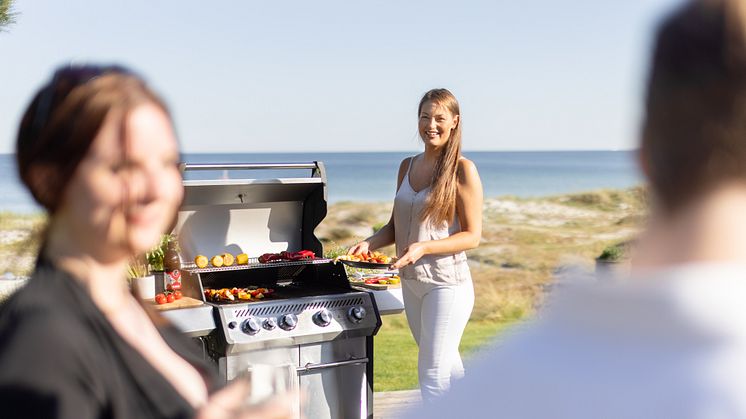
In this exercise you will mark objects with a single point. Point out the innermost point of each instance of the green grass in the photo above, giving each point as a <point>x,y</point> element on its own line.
<point>395,366</point>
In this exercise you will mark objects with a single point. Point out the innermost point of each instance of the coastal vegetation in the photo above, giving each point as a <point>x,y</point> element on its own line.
<point>7,16</point>
<point>526,242</point>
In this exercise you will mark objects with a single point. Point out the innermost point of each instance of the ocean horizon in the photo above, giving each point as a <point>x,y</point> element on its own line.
<point>371,176</point>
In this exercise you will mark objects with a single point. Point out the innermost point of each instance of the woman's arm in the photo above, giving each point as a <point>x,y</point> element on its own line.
<point>469,212</point>
<point>385,236</point>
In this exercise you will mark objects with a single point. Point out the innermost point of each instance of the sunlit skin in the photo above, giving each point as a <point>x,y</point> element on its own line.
<point>436,123</point>
<point>115,207</point>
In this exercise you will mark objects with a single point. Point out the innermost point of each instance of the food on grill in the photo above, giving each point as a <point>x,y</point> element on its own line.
<point>242,259</point>
<point>231,294</point>
<point>287,256</point>
<point>370,257</point>
<point>383,280</point>
<point>217,261</point>
<point>227,259</point>
<point>201,261</point>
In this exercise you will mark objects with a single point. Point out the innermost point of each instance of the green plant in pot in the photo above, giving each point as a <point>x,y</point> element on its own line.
<point>155,255</point>
<point>613,253</point>
<point>137,268</point>
<point>614,258</point>
<point>140,277</point>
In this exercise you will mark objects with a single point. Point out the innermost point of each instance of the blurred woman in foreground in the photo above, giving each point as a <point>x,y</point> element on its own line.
<point>670,341</point>
<point>96,148</point>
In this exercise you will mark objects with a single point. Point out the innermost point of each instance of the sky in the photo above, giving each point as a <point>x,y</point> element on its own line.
<point>300,76</point>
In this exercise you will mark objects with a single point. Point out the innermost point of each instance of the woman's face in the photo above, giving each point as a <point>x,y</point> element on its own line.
<point>436,124</point>
<point>125,192</point>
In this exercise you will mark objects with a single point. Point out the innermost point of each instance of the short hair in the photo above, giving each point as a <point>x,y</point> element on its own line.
<point>694,132</point>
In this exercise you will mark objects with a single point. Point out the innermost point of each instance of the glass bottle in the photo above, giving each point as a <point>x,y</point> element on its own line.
<point>172,267</point>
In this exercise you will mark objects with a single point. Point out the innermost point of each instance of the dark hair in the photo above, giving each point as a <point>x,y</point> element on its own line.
<point>63,119</point>
<point>694,133</point>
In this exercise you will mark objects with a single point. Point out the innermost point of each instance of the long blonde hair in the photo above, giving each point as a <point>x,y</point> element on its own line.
<point>440,206</point>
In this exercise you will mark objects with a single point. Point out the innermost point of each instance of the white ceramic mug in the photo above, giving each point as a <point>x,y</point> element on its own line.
<point>145,287</point>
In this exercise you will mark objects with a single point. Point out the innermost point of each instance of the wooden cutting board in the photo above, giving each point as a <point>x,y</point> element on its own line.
<point>183,302</point>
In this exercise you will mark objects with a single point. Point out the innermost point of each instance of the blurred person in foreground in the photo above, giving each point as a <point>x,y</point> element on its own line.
<point>670,340</point>
<point>96,148</point>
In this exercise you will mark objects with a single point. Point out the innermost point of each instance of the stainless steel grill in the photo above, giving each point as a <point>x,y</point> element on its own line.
<point>314,320</point>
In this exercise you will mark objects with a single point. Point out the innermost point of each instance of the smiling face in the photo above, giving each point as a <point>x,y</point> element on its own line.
<point>125,192</point>
<point>436,124</point>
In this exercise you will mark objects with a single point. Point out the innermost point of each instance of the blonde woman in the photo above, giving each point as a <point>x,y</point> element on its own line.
<point>437,215</point>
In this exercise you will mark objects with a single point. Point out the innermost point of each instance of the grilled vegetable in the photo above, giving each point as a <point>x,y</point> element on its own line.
<point>201,261</point>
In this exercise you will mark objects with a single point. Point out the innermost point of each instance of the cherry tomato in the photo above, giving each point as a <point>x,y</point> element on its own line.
<point>161,299</point>
<point>178,295</point>
<point>170,298</point>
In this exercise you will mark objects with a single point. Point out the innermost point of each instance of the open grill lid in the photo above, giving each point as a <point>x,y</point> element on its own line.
<point>252,216</point>
<point>256,216</point>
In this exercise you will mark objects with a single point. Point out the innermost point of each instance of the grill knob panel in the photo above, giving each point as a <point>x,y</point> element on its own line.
<point>322,318</point>
<point>251,326</point>
<point>289,321</point>
<point>270,323</point>
<point>356,314</point>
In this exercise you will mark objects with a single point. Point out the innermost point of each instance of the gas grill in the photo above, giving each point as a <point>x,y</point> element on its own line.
<point>313,320</point>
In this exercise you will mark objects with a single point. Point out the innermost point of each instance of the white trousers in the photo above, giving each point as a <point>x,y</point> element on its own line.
<point>437,316</point>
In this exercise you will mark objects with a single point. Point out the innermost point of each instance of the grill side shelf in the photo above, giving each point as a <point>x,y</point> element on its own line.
<point>253,264</point>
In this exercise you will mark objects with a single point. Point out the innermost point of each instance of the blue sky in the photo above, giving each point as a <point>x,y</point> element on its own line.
<point>280,76</point>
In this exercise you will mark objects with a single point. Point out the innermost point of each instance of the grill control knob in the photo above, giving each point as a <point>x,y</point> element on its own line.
<point>270,323</point>
<point>288,321</point>
<point>251,326</point>
<point>322,318</point>
<point>356,314</point>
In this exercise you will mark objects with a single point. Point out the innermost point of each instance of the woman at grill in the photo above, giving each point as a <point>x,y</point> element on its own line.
<point>437,215</point>
<point>96,148</point>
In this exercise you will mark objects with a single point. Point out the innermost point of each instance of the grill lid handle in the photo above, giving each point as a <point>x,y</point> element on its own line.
<point>247,166</point>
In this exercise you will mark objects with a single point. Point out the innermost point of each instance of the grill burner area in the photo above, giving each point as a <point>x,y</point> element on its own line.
<point>313,320</point>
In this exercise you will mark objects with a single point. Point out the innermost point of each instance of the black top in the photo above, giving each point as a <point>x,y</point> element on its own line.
<point>61,358</point>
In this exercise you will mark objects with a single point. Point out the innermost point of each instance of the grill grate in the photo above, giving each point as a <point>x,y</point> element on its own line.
<point>253,264</point>
<point>296,308</point>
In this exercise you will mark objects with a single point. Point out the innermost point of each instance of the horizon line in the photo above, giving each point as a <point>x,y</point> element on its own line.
<point>400,151</point>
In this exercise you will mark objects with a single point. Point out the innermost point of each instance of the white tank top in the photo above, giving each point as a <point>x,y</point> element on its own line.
<point>449,269</point>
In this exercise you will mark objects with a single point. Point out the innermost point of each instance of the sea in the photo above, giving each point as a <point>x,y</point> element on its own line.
<point>371,177</point>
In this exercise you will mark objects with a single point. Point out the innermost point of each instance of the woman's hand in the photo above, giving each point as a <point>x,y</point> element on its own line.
<point>361,248</point>
<point>228,403</point>
<point>411,255</point>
